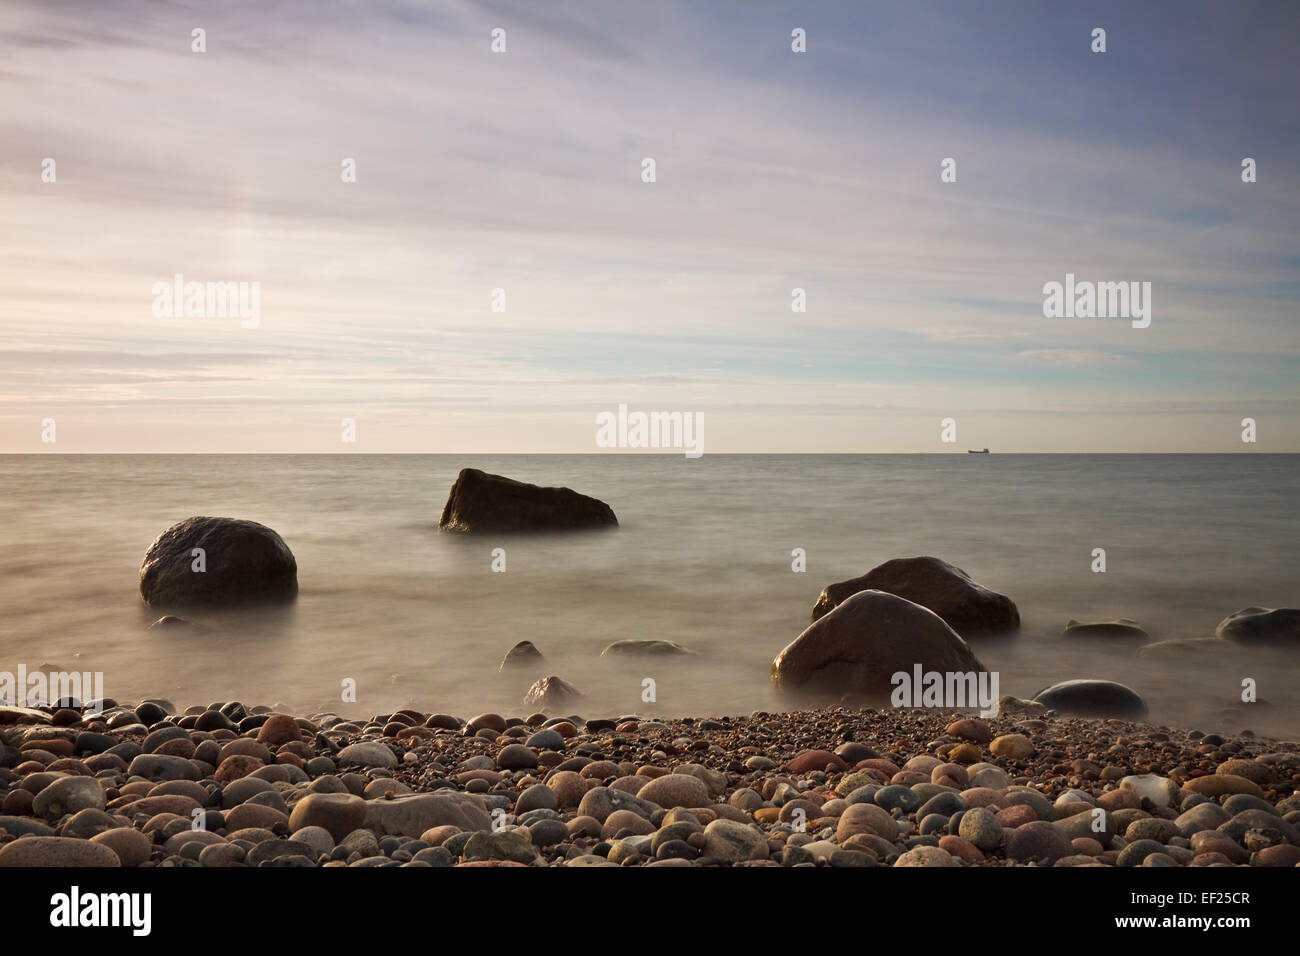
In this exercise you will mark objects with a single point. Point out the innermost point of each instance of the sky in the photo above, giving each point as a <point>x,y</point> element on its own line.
<point>522,171</point>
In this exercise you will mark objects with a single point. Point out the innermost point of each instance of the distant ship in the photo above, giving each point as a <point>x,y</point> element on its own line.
<point>972,451</point>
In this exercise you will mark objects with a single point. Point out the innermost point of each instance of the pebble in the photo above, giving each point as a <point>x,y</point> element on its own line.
<point>546,833</point>
<point>911,789</point>
<point>970,728</point>
<point>865,818</point>
<point>131,846</point>
<point>1012,746</point>
<point>510,845</point>
<point>537,797</point>
<point>734,841</point>
<point>58,851</point>
<point>897,798</point>
<point>221,854</point>
<point>88,823</point>
<point>318,838</point>
<point>1137,851</point>
<point>676,790</point>
<point>811,760</point>
<point>1223,784</point>
<point>517,757</point>
<point>1038,840</point>
<point>368,754</point>
<point>337,814</point>
<point>981,828</point>
<point>546,739</point>
<point>926,856</point>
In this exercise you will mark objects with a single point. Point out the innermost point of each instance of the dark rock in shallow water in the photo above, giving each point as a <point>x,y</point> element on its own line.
<point>859,645</point>
<point>654,648</point>
<point>523,654</point>
<point>551,693</point>
<point>244,563</point>
<point>480,503</point>
<point>1120,627</point>
<point>1093,698</point>
<point>970,609</point>
<point>1262,625</point>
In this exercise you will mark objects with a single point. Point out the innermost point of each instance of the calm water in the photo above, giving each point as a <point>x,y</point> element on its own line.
<point>703,557</point>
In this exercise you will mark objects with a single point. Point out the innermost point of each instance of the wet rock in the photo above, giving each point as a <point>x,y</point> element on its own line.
<point>482,503</point>
<point>1093,698</point>
<point>1261,625</point>
<point>523,655</point>
<point>855,648</point>
<point>970,609</point>
<point>245,563</point>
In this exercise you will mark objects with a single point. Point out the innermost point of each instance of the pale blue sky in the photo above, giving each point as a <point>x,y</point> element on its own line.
<point>522,171</point>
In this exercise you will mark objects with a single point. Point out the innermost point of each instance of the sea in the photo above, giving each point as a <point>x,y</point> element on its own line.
<point>724,554</point>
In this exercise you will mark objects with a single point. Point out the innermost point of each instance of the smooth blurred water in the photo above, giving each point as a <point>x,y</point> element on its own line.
<point>702,557</point>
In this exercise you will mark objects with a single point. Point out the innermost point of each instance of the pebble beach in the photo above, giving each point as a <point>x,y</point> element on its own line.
<point>153,785</point>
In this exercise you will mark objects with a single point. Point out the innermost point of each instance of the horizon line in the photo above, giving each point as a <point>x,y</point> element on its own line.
<point>663,454</point>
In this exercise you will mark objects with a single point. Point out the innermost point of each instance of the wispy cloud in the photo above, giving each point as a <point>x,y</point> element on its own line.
<point>521,171</point>
<point>1073,357</point>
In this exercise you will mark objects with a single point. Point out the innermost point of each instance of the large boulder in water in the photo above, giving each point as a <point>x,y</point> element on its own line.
<point>967,607</point>
<point>480,502</point>
<point>1093,698</point>
<point>1279,627</point>
<point>856,648</point>
<point>243,562</point>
